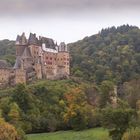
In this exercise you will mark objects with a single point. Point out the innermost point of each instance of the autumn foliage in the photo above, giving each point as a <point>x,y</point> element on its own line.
<point>7,131</point>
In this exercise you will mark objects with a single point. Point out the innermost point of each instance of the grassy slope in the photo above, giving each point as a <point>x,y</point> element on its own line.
<point>90,134</point>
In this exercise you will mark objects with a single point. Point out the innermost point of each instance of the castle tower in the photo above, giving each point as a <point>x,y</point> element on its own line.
<point>63,60</point>
<point>36,53</point>
<point>23,67</point>
<point>21,43</point>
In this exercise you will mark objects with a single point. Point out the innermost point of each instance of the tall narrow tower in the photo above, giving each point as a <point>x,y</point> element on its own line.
<point>63,60</point>
<point>21,43</point>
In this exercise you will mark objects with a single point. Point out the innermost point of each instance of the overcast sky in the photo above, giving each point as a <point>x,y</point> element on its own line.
<point>65,20</point>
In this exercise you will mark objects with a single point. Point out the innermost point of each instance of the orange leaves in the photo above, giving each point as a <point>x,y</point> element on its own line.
<point>75,100</point>
<point>71,112</point>
<point>7,131</point>
<point>75,95</point>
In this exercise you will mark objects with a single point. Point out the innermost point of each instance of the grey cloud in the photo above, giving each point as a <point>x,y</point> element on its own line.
<point>33,7</point>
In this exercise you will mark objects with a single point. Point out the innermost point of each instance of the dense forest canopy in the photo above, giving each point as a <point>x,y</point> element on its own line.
<point>112,54</point>
<point>7,50</point>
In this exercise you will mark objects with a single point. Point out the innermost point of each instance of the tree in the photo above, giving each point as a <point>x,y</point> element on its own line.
<point>23,98</point>
<point>131,92</point>
<point>107,92</point>
<point>7,131</point>
<point>75,116</point>
<point>14,113</point>
<point>117,121</point>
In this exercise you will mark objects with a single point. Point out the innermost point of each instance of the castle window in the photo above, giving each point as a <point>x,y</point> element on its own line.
<point>50,58</point>
<point>49,63</point>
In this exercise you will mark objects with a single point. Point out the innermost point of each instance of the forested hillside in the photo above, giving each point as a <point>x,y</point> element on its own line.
<point>7,50</point>
<point>112,54</point>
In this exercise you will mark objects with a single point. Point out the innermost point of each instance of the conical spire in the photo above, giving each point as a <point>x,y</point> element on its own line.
<point>17,63</point>
<point>26,53</point>
<point>18,40</point>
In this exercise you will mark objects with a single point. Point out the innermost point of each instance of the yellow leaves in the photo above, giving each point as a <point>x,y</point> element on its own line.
<point>75,95</point>
<point>71,112</point>
<point>1,120</point>
<point>7,131</point>
<point>76,107</point>
<point>133,134</point>
<point>14,114</point>
<point>62,103</point>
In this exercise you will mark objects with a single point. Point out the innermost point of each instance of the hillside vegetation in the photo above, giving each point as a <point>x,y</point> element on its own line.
<point>112,54</point>
<point>7,50</point>
<point>48,106</point>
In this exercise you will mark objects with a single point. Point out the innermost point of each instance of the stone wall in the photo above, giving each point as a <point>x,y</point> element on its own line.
<point>4,76</point>
<point>20,76</point>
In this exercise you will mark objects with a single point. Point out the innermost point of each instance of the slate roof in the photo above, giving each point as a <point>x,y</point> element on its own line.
<point>48,42</point>
<point>26,53</point>
<point>33,40</point>
<point>17,63</point>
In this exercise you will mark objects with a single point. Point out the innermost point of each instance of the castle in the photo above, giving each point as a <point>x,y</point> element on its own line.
<point>36,58</point>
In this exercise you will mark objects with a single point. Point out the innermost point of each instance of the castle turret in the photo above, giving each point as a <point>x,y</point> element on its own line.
<point>63,60</point>
<point>63,47</point>
<point>21,43</point>
<point>33,40</point>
